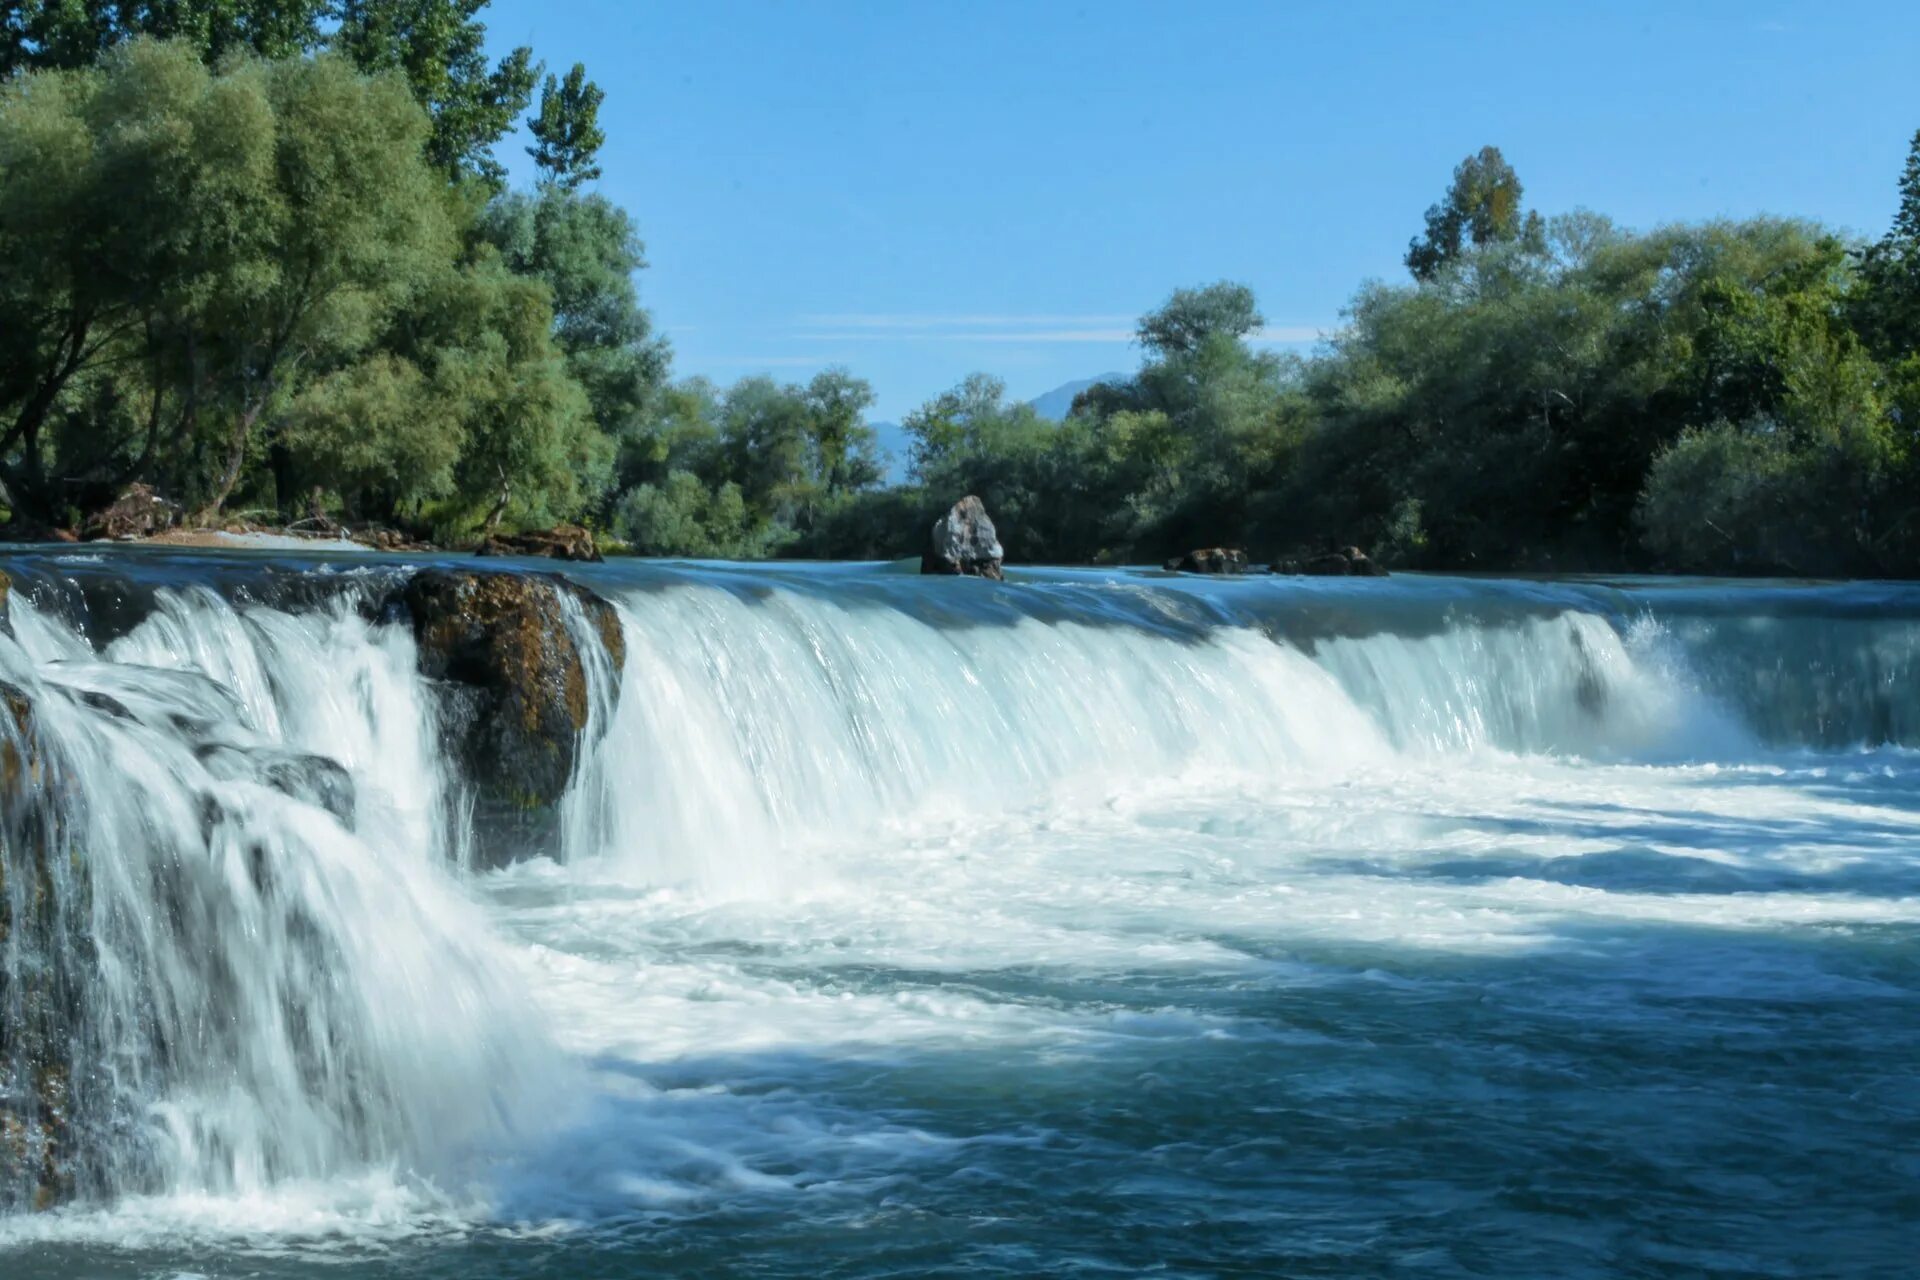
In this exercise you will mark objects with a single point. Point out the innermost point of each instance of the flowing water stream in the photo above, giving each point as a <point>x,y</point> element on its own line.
<point>1089,924</point>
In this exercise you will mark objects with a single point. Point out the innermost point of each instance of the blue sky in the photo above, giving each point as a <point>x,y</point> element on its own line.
<point>921,190</point>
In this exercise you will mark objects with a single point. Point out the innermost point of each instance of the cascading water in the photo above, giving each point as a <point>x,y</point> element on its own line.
<point>236,958</point>
<point>1238,924</point>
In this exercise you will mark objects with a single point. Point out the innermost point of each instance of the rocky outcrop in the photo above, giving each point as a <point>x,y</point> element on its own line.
<point>964,543</point>
<point>1210,560</point>
<point>516,687</point>
<point>37,1150</point>
<point>1341,562</point>
<point>139,512</point>
<point>562,542</point>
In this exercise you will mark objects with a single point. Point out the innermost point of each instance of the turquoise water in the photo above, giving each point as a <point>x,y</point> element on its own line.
<point>1096,924</point>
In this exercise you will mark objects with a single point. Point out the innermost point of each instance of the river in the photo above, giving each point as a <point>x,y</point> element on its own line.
<point>1090,924</point>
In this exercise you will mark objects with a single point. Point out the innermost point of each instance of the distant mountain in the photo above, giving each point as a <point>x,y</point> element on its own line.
<point>893,449</point>
<point>1057,403</point>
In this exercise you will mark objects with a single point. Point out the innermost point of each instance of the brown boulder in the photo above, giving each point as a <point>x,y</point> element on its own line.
<point>562,542</point>
<point>515,682</point>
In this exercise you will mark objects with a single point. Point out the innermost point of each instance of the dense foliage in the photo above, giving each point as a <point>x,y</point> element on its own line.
<point>267,261</point>
<point>1545,394</point>
<point>260,254</point>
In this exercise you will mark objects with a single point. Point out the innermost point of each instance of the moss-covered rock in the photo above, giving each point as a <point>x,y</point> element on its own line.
<point>517,687</point>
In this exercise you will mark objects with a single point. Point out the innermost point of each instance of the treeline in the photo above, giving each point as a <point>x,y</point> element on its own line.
<point>1544,393</point>
<point>263,258</point>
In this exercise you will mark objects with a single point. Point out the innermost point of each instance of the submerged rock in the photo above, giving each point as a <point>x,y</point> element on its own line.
<point>1341,562</point>
<point>316,780</point>
<point>139,512</point>
<point>1210,560</point>
<point>964,543</point>
<point>562,542</point>
<point>516,687</point>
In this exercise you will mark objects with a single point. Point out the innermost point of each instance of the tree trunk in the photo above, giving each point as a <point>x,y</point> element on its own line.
<point>236,458</point>
<point>499,506</point>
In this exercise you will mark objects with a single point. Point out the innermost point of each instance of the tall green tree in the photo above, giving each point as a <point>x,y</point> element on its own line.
<point>357,230</point>
<point>189,246</point>
<point>587,252</point>
<point>1886,309</point>
<point>531,443</point>
<point>65,34</point>
<point>1194,318</point>
<point>439,46</point>
<point>1482,207</point>
<point>567,134</point>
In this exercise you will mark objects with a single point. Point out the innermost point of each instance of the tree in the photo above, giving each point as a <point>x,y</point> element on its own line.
<point>567,134</point>
<point>683,517</point>
<point>1481,207</point>
<point>191,244</point>
<point>68,34</point>
<point>440,48</point>
<point>357,227</point>
<point>437,45</point>
<point>794,448</point>
<point>1906,221</point>
<point>381,432</point>
<point>1192,318</point>
<point>845,448</point>
<point>1886,309</point>
<point>531,444</point>
<point>586,250</point>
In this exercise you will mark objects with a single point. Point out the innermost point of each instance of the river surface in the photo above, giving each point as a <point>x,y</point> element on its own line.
<point>1093,924</point>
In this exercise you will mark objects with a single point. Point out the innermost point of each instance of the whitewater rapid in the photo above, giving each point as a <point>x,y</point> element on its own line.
<point>879,896</point>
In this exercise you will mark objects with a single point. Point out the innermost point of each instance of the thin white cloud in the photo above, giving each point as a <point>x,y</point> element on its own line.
<point>768,362</point>
<point>1270,335</point>
<point>972,335</point>
<point>887,321</point>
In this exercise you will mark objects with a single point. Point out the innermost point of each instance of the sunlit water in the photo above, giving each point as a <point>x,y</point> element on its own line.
<point>1085,925</point>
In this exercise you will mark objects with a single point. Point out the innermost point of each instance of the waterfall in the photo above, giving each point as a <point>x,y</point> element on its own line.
<point>235,958</point>
<point>241,946</point>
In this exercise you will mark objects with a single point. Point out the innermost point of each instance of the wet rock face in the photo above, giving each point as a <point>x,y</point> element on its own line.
<point>515,687</point>
<point>964,543</point>
<point>139,512</point>
<point>1210,560</point>
<point>37,1150</point>
<point>562,542</point>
